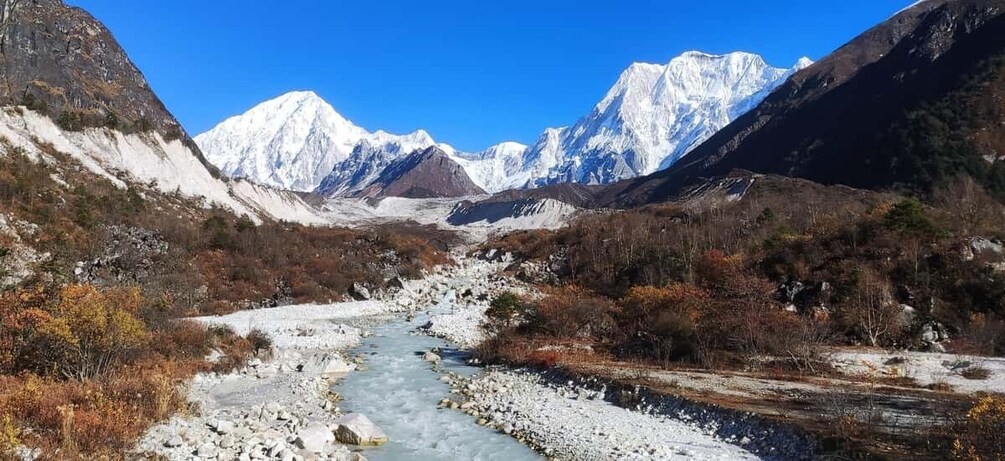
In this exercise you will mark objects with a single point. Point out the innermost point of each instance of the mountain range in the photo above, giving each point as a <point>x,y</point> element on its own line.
<point>908,105</point>
<point>651,117</point>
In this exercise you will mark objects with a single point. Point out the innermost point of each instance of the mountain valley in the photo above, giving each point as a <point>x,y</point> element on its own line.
<point>722,260</point>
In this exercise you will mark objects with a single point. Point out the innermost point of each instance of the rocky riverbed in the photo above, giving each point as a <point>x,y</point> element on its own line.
<point>410,390</point>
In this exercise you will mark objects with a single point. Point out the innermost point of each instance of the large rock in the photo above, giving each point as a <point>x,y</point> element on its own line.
<point>359,292</point>
<point>222,426</point>
<point>207,450</point>
<point>337,367</point>
<point>316,437</point>
<point>356,429</point>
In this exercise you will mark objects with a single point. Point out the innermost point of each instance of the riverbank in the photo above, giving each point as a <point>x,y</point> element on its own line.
<point>368,353</point>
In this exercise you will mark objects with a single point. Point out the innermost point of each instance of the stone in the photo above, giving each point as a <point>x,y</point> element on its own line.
<point>222,426</point>
<point>226,441</point>
<point>275,448</point>
<point>315,437</point>
<point>206,450</point>
<point>396,283</point>
<point>359,292</point>
<point>337,367</point>
<point>174,442</point>
<point>431,357</point>
<point>356,429</point>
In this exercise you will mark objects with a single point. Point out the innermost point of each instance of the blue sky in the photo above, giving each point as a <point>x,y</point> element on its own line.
<point>472,73</point>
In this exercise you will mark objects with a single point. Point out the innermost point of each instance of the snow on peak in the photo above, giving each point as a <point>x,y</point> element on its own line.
<point>653,115</point>
<point>296,141</point>
<point>290,142</point>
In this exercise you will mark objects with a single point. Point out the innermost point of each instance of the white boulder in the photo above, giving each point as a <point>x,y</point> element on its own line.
<point>316,437</point>
<point>356,429</point>
<point>337,367</point>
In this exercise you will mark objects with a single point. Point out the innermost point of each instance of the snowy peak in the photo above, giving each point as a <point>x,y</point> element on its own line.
<point>368,159</point>
<point>653,115</point>
<point>290,142</point>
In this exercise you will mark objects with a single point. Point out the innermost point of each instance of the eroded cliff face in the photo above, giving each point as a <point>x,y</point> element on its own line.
<point>61,61</point>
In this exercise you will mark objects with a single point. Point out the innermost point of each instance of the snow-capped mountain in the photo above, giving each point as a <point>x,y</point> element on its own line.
<point>368,159</point>
<point>291,142</point>
<point>652,116</point>
<point>497,168</point>
<point>300,142</point>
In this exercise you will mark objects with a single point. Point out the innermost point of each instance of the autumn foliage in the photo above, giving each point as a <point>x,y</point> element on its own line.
<point>981,431</point>
<point>82,374</point>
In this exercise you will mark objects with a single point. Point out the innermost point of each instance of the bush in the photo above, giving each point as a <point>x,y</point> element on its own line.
<point>31,102</point>
<point>658,323</point>
<point>507,309</point>
<point>908,217</point>
<point>981,432</point>
<point>70,121</point>
<point>261,343</point>
<point>173,134</point>
<point>976,372</point>
<point>111,121</point>
<point>570,313</point>
<point>81,336</point>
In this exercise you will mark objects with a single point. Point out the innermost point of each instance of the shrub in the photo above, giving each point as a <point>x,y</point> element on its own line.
<point>981,432</point>
<point>111,120</point>
<point>33,103</point>
<point>908,217</point>
<point>80,336</point>
<point>506,309</point>
<point>70,121</point>
<point>658,323</point>
<point>872,313</point>
<point>976,372</point>
<point>10,436</point>
<point>261,342</point>
<point>173,134</point>
<point>571,312</point>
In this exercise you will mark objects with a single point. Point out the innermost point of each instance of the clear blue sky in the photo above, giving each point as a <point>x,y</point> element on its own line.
<point>471,72</point>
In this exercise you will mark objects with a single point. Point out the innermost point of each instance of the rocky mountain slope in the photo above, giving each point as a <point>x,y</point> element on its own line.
<point>652,116</point>
<point>907,105</point>
<point>60,61</point>
<point>429,173</point>
<point>81,97</point>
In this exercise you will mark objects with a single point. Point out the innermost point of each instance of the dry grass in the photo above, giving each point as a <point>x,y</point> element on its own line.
<point>976,372</point>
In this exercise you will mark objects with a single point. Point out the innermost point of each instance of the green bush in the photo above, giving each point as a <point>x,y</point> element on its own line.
<point>70,121</point>
<point>908,218</point>
<point>506,308</point>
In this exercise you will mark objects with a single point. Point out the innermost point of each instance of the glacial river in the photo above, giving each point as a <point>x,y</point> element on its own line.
<point>399,392</point>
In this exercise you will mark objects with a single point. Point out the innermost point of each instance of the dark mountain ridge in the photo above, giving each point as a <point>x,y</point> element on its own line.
<point>906,105</point>
<point>429,173</point>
